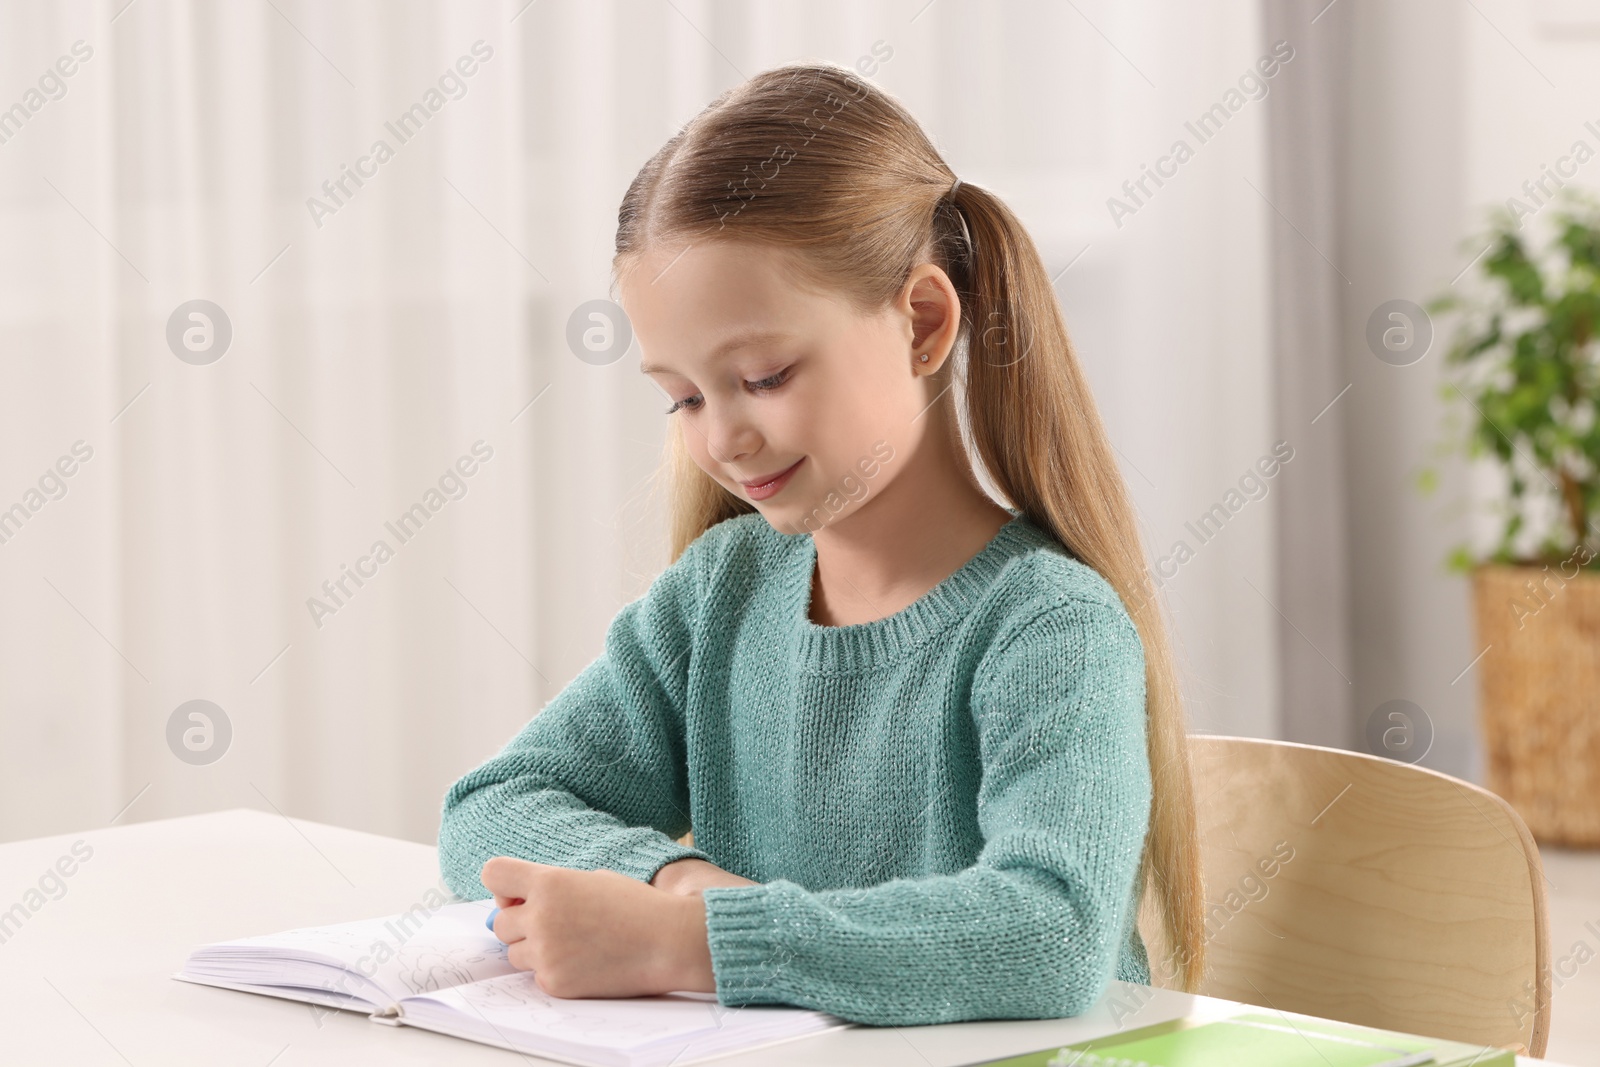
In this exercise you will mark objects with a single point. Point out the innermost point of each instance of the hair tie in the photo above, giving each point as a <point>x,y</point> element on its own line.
<point>966,234</point>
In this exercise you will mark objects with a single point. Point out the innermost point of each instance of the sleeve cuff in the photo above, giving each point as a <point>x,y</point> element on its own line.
<point>749,948</point>
<point>652,850</point>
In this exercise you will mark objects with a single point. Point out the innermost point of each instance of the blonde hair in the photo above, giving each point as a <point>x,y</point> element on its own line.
<point>815,159</point>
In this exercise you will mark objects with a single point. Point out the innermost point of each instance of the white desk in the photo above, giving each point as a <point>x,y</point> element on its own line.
<point>85,978</point>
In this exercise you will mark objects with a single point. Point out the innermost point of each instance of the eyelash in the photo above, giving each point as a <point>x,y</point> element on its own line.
<point>777,380</point>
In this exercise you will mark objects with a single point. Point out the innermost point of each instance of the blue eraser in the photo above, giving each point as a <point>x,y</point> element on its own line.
<point>489,922</point>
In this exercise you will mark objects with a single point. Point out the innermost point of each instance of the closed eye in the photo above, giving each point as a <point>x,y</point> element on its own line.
<point>764,385</point>
<point>770,383</point>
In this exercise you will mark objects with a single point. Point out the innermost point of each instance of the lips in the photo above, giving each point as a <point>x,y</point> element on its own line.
<point>770,478</point>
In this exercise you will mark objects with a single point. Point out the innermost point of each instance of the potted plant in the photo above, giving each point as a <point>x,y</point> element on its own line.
<point>1523,369</point>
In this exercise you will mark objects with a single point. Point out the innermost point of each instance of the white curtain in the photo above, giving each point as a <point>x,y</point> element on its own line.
<point>1310,303</point>
<point>385,332</point>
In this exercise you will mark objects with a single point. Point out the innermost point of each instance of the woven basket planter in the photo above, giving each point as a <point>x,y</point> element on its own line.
<point>1539,696</point>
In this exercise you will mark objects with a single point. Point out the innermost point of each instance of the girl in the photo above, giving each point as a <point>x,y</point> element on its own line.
<point>930,746</point>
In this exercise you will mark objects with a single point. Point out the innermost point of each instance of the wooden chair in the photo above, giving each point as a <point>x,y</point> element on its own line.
<point>1370,891</point>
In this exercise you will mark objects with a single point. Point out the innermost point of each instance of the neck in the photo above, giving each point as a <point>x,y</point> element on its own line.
<point>921,528</point>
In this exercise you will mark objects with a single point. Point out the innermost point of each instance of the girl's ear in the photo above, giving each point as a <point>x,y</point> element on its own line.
<point>933,310</point>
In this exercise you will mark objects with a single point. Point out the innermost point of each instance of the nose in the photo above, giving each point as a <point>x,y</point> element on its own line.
<point>730,437</point>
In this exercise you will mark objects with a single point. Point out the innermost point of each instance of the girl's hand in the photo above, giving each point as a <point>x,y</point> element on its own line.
<point>688,877</point>
<point>598,933</point>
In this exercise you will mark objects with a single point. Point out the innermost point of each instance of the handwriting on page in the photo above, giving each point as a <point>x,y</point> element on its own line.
<point>428,968</point>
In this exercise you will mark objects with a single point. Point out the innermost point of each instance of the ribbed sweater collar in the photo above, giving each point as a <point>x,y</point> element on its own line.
<point>869,645</point>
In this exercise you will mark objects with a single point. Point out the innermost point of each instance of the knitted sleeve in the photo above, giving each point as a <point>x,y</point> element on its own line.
<point>597,779</point>
<point>1035,927</point>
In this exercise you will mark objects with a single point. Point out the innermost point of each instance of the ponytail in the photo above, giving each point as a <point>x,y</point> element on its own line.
<point>1039,435</point>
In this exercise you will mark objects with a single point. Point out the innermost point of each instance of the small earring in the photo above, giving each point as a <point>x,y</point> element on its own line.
<point>923,357</point>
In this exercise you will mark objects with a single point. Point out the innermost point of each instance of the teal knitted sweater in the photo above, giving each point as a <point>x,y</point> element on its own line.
<point>945,807</point>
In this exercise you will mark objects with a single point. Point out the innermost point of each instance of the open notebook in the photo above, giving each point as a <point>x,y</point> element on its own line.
<point>442,970</point>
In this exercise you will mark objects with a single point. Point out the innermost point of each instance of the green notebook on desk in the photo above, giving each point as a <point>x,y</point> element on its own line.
<point>1260,1040</point>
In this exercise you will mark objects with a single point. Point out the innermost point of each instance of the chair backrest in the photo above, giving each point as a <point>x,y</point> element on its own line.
<point>1369,891</point>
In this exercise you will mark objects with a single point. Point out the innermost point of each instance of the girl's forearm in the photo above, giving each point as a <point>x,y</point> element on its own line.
<point>689,948</point>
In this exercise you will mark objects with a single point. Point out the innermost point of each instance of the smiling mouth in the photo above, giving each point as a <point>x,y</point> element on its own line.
<point>761,483</point>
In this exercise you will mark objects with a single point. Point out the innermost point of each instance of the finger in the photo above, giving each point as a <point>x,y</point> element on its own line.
<point>502,902</point>
<point>506,923</point>
<point>511,934</point>
<point>506,876</point>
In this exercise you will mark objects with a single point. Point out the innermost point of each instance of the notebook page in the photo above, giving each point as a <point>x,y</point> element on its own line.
<point>511,1011</point>
<point>418,951</point>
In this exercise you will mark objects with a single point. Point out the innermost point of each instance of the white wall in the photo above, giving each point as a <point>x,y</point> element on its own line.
<point>1168,310</point>
<point>431,308</point>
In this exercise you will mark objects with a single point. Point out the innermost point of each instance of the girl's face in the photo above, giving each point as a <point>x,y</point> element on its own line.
<point>789,398</point>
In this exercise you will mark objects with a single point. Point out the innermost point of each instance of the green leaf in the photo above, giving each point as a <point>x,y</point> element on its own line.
<point>1523,384</point>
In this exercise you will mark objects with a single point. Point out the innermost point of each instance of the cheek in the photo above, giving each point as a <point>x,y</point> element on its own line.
<point>862,431</point>
<point>699,450</point>
<point>850,463</point>
<point>853,484</point>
